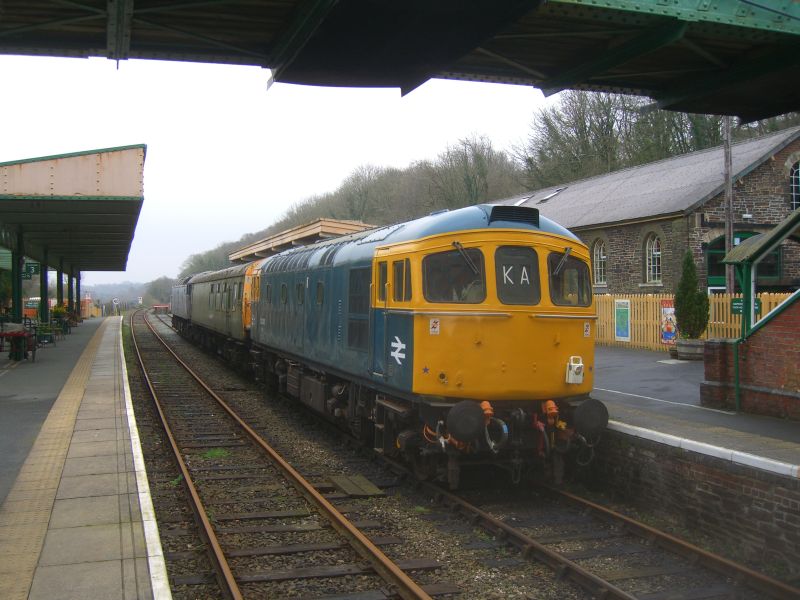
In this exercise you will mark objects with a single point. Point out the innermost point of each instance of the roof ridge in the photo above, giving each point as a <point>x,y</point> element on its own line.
<point>783,132</point>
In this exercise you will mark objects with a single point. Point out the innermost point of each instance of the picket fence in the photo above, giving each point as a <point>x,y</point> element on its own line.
<point>646,316</point>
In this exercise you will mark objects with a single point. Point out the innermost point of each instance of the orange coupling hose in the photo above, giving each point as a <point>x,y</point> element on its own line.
<point>488,411</point>
<point>431,436</point>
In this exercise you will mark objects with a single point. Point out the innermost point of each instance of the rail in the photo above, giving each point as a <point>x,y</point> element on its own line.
<point>405,587</point>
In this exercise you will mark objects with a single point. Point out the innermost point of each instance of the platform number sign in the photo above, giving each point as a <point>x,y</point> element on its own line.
<point>31,269</point>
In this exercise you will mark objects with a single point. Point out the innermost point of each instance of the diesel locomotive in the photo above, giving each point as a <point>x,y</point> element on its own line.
<point>459,338</point>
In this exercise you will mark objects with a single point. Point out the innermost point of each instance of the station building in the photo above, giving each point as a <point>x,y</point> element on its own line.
<point>638,222</point>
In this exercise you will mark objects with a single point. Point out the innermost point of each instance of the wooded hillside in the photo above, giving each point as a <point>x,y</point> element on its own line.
<point>584,134</point>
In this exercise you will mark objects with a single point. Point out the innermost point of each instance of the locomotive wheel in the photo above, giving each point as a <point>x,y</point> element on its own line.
<point>453,471</point>
<point>424,466</point>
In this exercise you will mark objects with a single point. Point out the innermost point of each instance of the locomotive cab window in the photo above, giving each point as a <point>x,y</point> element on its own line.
<point>401,280</point>
<point>454,276</point>
<point>570,284</point>
<point>301,293</point>
<point>383,278</point>
<point>517,275</point>
<point>268,293</point>
<point>284,293</point>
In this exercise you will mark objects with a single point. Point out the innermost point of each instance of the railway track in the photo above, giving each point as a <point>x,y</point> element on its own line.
<point>606,554</point>
<point>224,465</point>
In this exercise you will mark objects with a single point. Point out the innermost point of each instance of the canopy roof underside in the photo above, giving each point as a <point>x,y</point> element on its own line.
<point>725,57</point>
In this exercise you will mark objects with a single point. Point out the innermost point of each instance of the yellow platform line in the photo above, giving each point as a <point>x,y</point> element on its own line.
<point>25,514</point>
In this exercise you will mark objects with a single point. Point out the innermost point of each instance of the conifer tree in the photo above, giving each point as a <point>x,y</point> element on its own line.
<point>691,304</point>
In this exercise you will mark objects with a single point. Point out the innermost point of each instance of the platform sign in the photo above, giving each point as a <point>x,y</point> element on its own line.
<point>622,320</point>
<point>736,305</point>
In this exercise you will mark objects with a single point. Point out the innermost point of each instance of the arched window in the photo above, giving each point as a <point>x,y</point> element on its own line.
<point>599,262</point>
<point>653,258</point>
<point>794,186</point>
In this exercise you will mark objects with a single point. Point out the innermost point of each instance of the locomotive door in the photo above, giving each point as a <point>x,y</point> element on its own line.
<point>392,323</point>
<point>251,313</point>
<point>379,291</point>
<point>298,317</point>
<point>227,291</point>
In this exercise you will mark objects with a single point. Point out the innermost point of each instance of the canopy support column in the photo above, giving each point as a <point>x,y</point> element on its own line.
<point>78,293</point>
<point>70,293</point>
<point>44,302</point>
<point>16,282</point>
<point>60,283</point>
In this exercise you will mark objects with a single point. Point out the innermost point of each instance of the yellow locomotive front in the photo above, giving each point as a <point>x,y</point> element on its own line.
<point>503,352</point>
<point>505,319</point>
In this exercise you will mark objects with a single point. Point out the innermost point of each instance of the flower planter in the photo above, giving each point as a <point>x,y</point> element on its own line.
<point>690,349</point>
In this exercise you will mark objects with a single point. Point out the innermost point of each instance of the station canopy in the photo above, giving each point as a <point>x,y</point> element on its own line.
<point>737,57</point>
<point>77,211</point>
<point>302,235</point>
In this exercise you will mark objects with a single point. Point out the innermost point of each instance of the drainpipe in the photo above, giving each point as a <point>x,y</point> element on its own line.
<point>743,273</point>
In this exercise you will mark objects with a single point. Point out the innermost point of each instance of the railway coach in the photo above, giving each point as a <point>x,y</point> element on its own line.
<point>462,337</point>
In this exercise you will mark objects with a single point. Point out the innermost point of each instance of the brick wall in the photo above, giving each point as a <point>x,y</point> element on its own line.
<point>769,374</point>
<point>753,514</point>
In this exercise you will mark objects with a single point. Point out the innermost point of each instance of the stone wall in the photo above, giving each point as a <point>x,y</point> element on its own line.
<point>762,193</point>
<point>769,375</point>
<point>625,247</point>
<point>755,512</point>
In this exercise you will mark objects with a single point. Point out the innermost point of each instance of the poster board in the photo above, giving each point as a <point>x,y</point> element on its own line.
<point>622,320</point>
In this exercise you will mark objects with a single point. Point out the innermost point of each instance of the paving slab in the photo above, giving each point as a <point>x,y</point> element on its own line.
<point>78,521</point>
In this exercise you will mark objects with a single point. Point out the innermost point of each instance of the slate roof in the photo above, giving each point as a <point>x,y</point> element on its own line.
<point>666,187</point>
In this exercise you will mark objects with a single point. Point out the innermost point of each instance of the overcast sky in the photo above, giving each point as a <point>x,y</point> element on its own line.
<point>226,156</point>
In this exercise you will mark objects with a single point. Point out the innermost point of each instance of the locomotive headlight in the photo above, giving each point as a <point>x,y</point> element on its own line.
<point>574,370</point>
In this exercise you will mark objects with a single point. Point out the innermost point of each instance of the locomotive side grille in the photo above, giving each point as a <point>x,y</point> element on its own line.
<point>518,214</point>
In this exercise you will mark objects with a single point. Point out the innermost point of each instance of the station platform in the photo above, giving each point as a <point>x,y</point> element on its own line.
<point>651,396</point>
<point>76,519</point>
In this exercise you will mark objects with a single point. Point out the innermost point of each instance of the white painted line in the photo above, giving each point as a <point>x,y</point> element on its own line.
<point>716,410</point>
<point>727,454</point>
<point>155,555</point>
<point>13,365</point>
<point>671,361</point>
<point>648,434</point>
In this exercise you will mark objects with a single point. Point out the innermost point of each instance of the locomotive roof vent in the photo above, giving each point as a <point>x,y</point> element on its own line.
<point>517,214</point>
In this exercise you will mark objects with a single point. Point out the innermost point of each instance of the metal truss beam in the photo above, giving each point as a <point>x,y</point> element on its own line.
<point>645,42</point>
<point>118,28</point>
<point>771,15</point>
<point>310,15</point>
<point>703,85</point>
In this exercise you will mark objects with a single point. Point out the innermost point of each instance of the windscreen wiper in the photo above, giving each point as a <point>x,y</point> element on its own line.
<point>466,257</point>
<point>563,261</point>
